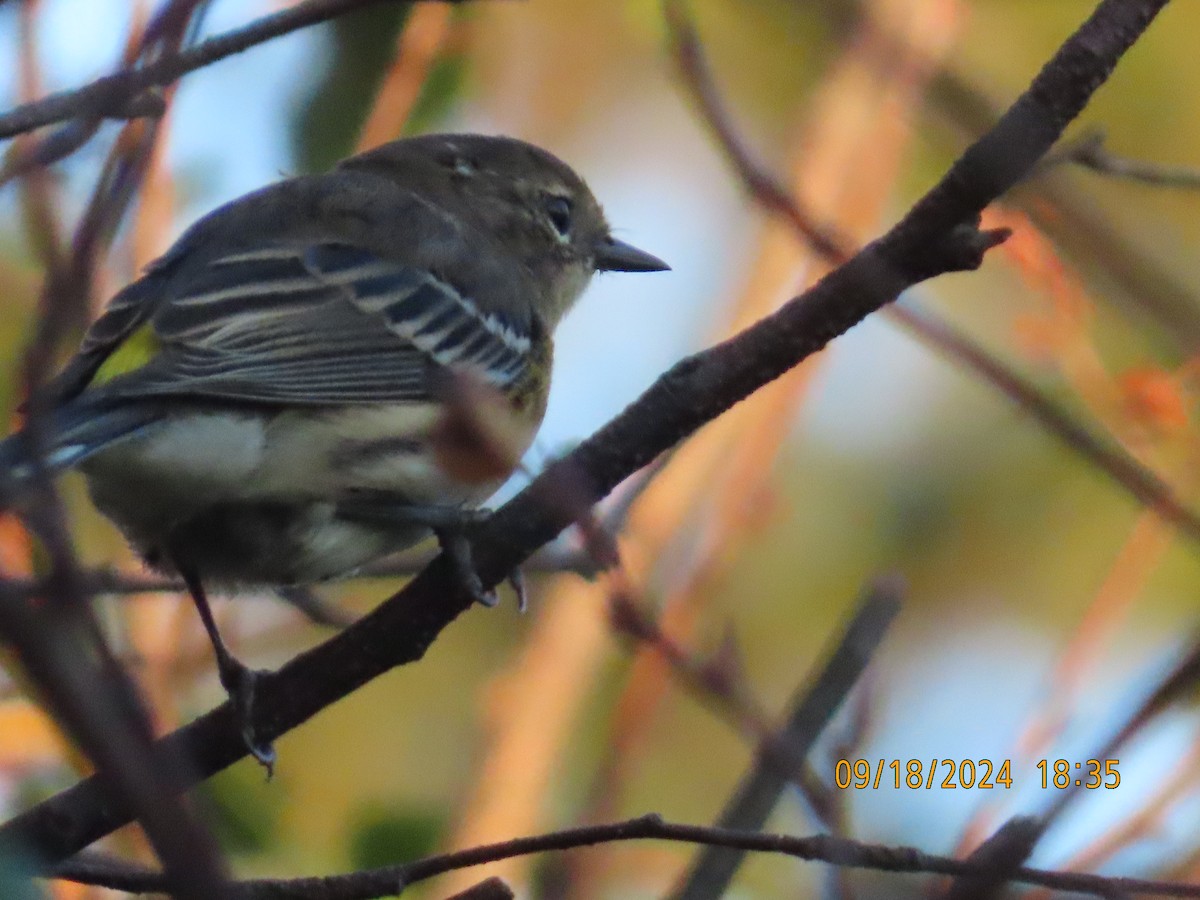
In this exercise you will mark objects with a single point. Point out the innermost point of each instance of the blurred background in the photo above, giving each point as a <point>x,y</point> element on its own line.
<point>1042,603</point>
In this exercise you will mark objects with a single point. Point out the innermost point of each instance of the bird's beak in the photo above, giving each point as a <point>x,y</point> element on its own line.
<point>617,256</point>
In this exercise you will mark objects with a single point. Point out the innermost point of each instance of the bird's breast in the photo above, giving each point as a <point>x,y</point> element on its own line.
<point>252,497</point>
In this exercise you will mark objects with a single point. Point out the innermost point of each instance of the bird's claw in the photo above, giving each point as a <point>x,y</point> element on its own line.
<point>516,578</point>
<point>240,684</point>
<point>458,550</point>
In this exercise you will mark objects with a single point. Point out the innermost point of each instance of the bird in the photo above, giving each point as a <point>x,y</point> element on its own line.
<point>279,399</point>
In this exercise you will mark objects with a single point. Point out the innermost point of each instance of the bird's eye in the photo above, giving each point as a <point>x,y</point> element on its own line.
<point>559,210</point>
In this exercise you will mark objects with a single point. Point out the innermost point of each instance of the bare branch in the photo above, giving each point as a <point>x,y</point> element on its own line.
<point>779,761</point>
<point>1089,152</point>
<point>760,183</point>
<point>97,706</point>
<point>112,95</point>
<point>368,885</point>
<point>938,235</point>
<point>58,642</point>
<point>1142,483</point>
<point>1002,854</point>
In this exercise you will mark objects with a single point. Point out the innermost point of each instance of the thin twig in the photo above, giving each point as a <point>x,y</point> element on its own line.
<point>40,194</point>
<point>1003,853</point>
<point>1179,684</point>
<point>759,182</point>
<point>844,852</point>
<point>1142,483</point>
<point>778,762</point>
<point>58,643</point>
<point>110,95</point>
<point>99,710</point>
<point>1145,825</point>
<point>1089,152</point>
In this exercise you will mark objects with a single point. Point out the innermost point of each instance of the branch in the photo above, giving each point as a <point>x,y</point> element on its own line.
<point>779,760</point>
<point>1002,854</point>
<point>1143,484</point>
<point>1142,283</point>
<point>58,642</point>
<point>111,96</point>
<point>1140,482</point>
<point>759,182</point>
<point>1090,153</point>
<point>938,235</point>
<point>97,706</point>
<point>844,852</point>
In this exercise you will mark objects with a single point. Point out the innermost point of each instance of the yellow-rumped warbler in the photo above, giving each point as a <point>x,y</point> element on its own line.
<point>267,404</point>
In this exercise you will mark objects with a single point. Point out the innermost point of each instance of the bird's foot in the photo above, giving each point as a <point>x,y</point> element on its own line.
<point>458,550</point>
<point>448,523</point>
<point>240,684</point>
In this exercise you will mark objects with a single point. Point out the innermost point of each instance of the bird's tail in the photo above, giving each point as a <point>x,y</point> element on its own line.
<point>69,435</point>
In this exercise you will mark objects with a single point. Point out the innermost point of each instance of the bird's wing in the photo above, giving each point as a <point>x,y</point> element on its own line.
<point>124,315</point>
<point>315,324</point>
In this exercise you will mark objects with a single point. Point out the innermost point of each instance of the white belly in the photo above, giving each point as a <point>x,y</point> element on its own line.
<point>250,498</point>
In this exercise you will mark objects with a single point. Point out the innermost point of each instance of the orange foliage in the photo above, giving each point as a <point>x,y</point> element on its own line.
<point>15,547</point>
<point>1037,261</point>
<point>1049,332</point>
<point>418,46</point>
<point>1154,398</point>
<point>1146,402</point>
<point>1147,408</point>
<point>31,739</point>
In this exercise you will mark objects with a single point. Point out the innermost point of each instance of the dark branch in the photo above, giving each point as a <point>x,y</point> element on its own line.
<point>368,885</point>
<point>58,642</point>
<point>112,95</point>
<point>939,235</point>
<point>1001,855</point>
<point>1140,482</point>
<point>780,760</point>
